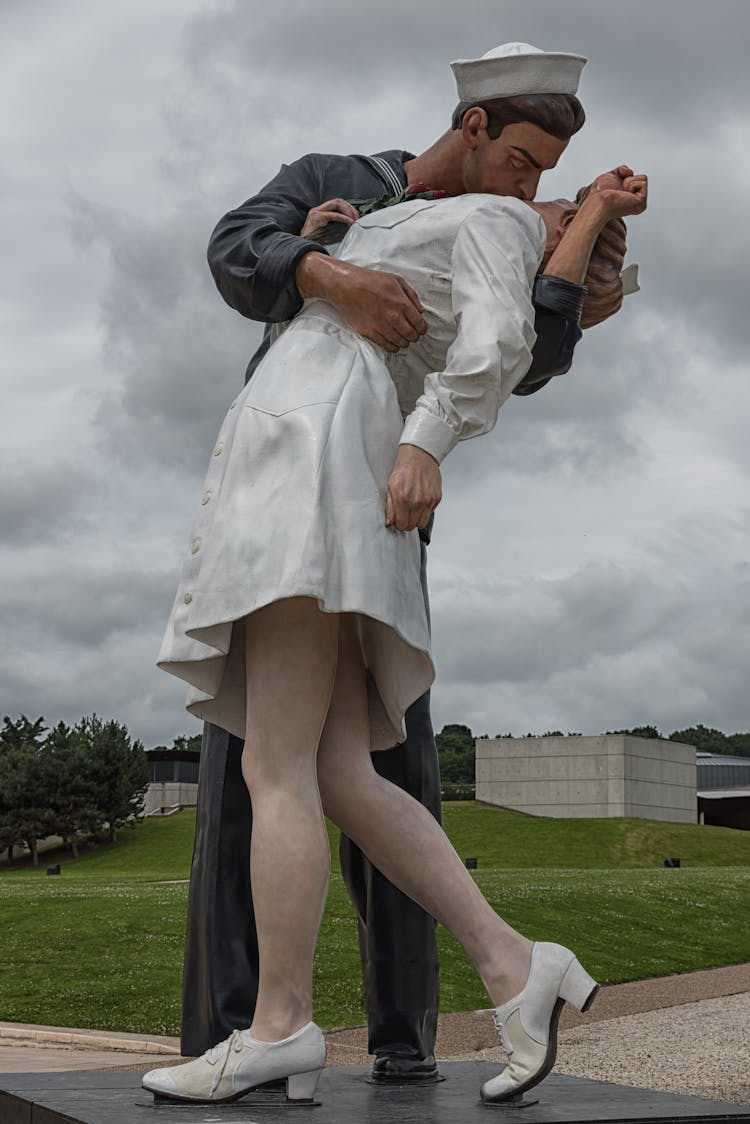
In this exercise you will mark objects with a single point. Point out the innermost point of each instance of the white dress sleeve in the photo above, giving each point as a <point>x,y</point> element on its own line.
<point>495,258</point>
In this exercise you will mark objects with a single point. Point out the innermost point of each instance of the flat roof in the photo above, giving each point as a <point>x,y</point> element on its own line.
<point>704,758</point>
<point>722,793</point>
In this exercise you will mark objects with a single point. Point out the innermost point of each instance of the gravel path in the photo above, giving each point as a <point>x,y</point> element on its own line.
<point>698,1049</point>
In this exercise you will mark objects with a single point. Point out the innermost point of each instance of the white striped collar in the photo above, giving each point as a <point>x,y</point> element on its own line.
<point>387,174</point>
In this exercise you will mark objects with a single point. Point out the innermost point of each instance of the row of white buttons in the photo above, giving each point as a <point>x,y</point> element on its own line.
<point>196,545</point>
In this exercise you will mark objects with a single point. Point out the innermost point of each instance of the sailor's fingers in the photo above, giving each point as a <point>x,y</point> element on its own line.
<point>333,210</point>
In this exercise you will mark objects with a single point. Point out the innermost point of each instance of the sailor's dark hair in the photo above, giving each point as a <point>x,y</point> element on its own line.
<point>561,115</point>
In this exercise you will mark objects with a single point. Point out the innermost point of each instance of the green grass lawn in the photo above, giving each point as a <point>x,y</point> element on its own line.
<point>101,946</point>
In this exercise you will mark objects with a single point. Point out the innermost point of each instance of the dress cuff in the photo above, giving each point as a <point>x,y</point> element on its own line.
<point>430,433</point>
<point>557,295</point>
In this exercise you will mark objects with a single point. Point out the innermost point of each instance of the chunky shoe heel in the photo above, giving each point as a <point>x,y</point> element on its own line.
<point>578,988</point>
<point>302,1086</point>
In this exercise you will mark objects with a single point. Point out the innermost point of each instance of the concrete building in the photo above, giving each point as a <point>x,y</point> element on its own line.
<point>607,776</point>
<point>173,781</point>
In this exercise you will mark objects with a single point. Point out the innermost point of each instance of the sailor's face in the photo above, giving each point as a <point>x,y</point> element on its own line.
<point>513,162</point>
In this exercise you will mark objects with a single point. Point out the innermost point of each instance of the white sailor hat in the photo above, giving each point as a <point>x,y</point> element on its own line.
<point>514,69</point>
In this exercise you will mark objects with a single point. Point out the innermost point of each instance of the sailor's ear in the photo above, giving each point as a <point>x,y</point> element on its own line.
<point>474,126</point>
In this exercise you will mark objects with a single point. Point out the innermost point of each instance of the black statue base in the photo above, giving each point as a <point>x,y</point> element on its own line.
<point>346,1096</point>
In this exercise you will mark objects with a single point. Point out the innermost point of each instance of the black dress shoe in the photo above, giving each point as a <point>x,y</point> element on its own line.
<point>403,1069</point>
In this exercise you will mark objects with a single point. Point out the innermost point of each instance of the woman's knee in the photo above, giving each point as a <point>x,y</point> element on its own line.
<point>270,765</point>
<point>335,806</point>
<point>331,796</point>
<point>291,656</point>
<point>345,782</point>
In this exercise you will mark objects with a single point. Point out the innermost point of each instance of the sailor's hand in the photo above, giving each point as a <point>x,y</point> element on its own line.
<point>619,193</point>
<point>380,306</point>
<point>414,489</point>
<point>333,210</point>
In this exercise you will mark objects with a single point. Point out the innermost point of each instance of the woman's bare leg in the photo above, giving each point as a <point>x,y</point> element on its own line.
<point>291,652</point>
<point>402,839</point>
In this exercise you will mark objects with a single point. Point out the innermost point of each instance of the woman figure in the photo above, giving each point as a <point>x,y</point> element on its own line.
<point>300,624</point>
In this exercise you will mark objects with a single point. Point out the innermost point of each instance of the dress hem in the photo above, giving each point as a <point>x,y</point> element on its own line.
<point>215,670</point>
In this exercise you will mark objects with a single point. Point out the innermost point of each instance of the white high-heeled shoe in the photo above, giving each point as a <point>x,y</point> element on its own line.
<point>527,1024</point>
<point>242,1063</point>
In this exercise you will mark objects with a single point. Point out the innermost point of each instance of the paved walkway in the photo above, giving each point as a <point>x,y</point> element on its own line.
<point>687,1033</point>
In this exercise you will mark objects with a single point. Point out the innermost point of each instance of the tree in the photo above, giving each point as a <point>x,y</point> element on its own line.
<point>26,782</point>
<point>72,797</point>
<point>183,742</point>
<point>640,732</point>
<point>456,753</point>
<point>117,770</point>
<point>704,738</point>
<point>740,744</point>
<point>21,732</point>
<point>192,743</point>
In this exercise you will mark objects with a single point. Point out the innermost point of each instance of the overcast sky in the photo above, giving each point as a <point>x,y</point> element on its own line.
<point>590,567</point>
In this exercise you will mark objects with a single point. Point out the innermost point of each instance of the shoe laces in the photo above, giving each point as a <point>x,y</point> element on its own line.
<point>500,1028</point>
<point>234,1042</point>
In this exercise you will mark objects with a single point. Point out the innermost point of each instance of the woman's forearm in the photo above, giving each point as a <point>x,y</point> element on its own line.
<point>570,260</point>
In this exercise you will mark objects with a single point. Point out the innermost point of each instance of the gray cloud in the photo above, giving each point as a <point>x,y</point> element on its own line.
<point>644,643</point>
<point>180,353</point>
<point>587,568</point>
<point>663,56</point>
<point>60,683</point>
<point>42,502</point>
<point>76,603</point>
<point>81,635</point>
<point>539,629</point>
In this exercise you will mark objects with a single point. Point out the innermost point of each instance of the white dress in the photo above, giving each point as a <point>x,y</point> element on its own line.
<point>294,499</point>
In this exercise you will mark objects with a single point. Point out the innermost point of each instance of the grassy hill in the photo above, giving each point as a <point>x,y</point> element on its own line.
<point>497,837</point>
<point>503,839</point>
<point>101,946</point>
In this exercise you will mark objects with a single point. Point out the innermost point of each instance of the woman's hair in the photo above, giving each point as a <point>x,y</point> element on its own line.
<point>561,115</point>
<point>604,296</point>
